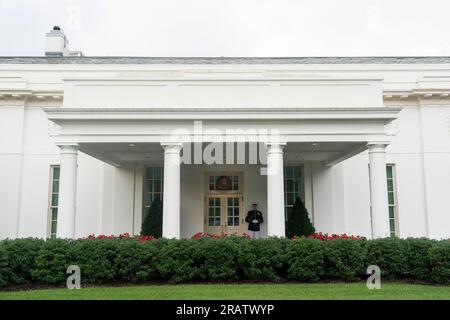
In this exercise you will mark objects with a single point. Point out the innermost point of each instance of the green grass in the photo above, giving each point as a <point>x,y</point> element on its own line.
<point>240,291</point>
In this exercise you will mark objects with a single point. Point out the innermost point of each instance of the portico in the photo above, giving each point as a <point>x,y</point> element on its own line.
<point>324,136</point>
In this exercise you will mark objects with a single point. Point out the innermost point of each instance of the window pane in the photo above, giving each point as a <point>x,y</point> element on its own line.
<point>157,185</point>
<point>391,212</point>
<point>390,197</point>
<point>157,173</point>
<point>390,185</point>
<point>54,226</point>
<point>389,171</point>
<point>392,225</point>
<point>55,186</point>
<point>55,214</point>
<point>289,185</point>
<point>56,173</point>
<point>297,186</point>
<point>288,172</point>
<point>289,198</point>
<point>54,200</point>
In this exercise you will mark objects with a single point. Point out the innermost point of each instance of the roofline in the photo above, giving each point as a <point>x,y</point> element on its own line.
<point>118,60</point>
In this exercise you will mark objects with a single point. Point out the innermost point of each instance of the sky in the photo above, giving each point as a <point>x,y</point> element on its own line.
<point>229,27</point>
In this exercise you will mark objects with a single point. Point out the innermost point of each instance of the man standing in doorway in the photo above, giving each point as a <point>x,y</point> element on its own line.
<point>254,219</point>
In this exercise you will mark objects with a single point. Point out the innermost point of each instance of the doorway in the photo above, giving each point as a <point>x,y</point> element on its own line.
<point>224,204</point>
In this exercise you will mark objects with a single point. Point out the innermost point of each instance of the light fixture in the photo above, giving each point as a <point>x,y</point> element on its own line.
<point>131,145</point>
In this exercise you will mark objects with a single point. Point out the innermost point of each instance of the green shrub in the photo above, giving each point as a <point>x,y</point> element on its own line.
<point>263,260</point>
<point>25,261</point>
<point>298,222</point>
<point>216,260</point>
<point>136,261</point>
<point>51,262</point>
<point>95,257</point>
<point>344,259</point>
<point>176,261</point>
<point>419,265</point>
<point>4,269</point>
<point>306,259</point>
<point>440,262</point>
<point>21,255</point>
<point>390,255</point>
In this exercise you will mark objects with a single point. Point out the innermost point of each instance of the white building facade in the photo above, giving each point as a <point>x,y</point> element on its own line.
<point>87,143</point>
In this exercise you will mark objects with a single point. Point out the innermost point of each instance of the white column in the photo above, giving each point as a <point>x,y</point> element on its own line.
<point>275,190</point>
<point>67,192</point>
<point>171,200</point>
<point>378,190</point>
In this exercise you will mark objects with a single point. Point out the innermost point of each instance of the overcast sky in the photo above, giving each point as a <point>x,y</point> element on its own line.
<point>229,27</point>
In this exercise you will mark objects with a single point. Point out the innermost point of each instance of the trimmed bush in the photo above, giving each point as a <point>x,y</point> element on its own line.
<point>111,259</point>
<point>21,256</point>
<point>390,254</point>
<point>4,270</point>
<point>136,261</point>
<point>344,259</point>
<point>263,260</point>
<point>419,264</point>
<point>52,260</point>
<point>176,260</point>
<point>440,262</point>
<point>306,259</point>
<point>96,259</point>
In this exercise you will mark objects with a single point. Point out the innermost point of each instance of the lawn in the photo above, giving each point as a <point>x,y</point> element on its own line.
<point>240,291</point>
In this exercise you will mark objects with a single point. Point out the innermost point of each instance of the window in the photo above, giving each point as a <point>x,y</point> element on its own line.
<point>293,186</point>
<point>54,199</point>
<point>392,199</point>
<point>153,185</point>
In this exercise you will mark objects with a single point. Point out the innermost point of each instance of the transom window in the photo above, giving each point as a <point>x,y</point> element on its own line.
<point>54,200</point>
<point>223,182</point>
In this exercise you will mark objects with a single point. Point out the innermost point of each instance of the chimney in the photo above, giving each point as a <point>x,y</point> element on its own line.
<point>56,44</point>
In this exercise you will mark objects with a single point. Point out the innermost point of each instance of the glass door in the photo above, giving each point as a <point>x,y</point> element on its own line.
<point>223,214</point>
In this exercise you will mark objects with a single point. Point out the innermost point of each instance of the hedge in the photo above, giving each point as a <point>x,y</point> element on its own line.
<point>35,261</point>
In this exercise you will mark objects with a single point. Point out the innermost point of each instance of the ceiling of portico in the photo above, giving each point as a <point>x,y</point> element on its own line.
<point>118,154</point>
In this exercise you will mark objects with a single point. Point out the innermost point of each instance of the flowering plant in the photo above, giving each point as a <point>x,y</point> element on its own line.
<point>125,235</point>
<point>325,236</point>
<point>200,235</point>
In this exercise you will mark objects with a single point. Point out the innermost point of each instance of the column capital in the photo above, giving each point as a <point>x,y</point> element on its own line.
<point>377,146</point>
<point>69,148</point>
<point>172,147</point>
<point>275,147</point>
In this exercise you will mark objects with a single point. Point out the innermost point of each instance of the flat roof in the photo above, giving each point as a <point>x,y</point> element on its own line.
<point>226,60</point>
